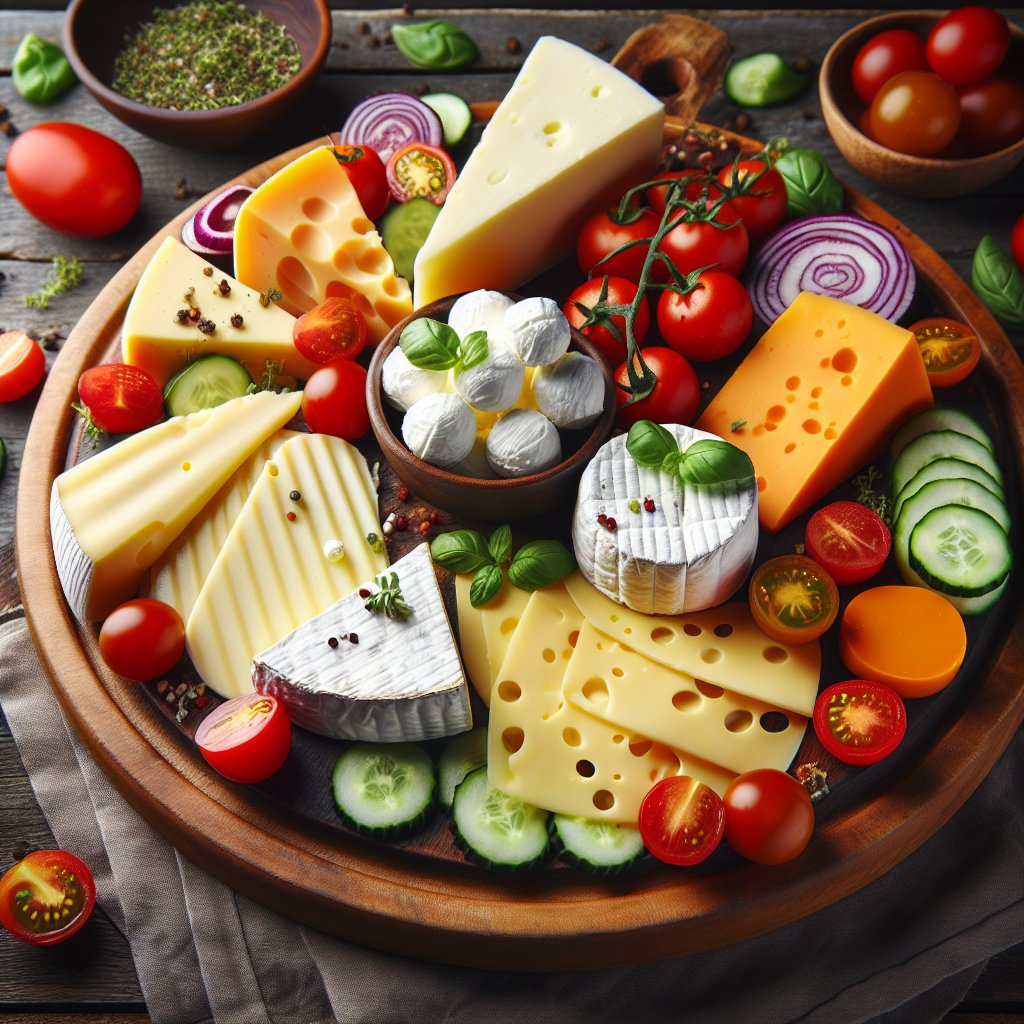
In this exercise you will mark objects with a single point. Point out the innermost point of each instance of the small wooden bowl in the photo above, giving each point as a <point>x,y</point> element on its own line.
<point>94,34</point>
<point>927,177</point>
<point>502,500</point>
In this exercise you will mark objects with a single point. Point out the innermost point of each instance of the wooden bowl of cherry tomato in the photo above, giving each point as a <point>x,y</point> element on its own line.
<point>927,104</point>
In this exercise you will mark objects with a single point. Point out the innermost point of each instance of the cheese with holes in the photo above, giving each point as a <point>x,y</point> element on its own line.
<point>816,399</point>
<point>692,551</point>
<point>179,573</point>
<point>297,546</point>
<point>113,516</point>
<point>156,340</point>
<point>304,232</point>
<point>400,682</point>
<point>569,137</point>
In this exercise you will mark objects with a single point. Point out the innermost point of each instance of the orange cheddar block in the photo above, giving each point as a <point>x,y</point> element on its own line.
<point>816,399</point>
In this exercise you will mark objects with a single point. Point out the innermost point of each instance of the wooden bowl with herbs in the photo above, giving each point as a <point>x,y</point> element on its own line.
<point>258,60</point>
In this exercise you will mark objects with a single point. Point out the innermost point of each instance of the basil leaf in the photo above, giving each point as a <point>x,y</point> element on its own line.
<point>486,583</point>
<point>430,344</point>
<point>539,564</point>
<point>40,70</point>
<point>670,464</point>
<point>712,463</point>
<point>460,551</point>
<point>500,544</point>
<point>811,187</point>
<point>434,44</point>
<point>999,283</point>
<point>473,349</point>
<point>648,443</point>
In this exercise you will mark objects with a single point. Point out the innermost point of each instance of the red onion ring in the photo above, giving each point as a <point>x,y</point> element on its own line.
<point>390,120</point>
<point>211,231</point>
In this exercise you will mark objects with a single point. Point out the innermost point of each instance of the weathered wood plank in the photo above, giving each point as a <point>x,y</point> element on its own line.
<point>74,1018</point>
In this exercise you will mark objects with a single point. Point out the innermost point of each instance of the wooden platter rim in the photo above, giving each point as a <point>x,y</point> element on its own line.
<point>380,897</point>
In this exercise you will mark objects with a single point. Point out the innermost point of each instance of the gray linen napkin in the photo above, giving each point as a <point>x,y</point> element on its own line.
<point>905,948</point>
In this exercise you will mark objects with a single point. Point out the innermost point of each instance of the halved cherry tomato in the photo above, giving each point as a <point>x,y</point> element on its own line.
<point>676,395</point>
<point>793,599</point>
<point>366,171</point>
<point>769,817</point>
<point>120,398</point>
<point>333,329</point>
<point>858,721</point>
<point>46,897</point>
<point>681,820</point>
<point>849,540</point>
<point>759,197</point>
<point>968,44</point>
<point>708,323</point>
<point>602,234</point>
<point>247,738</point>
<point>142,638</point>
<point>885,55</point>
<point>334,400</point>
<point>419,171</point>
<point>22,365</point>
<point>1017,242</point>
<point>720,240</point>
<point>950,350</point>
<point>618,291</point>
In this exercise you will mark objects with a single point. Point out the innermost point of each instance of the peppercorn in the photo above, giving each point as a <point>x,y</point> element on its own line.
<point>206,326</point>
<point>236,320</point>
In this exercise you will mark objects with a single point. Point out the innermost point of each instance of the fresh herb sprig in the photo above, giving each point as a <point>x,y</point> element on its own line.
<point>388,598</point>
<point>432,345</point>
<point>64,274</point>
<point>710,463</point>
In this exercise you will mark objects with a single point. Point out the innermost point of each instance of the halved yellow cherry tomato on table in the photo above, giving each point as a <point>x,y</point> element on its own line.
<point>46,897</point>
<point>420,171</point>
<point>950,350</point>
<point>793,599</point>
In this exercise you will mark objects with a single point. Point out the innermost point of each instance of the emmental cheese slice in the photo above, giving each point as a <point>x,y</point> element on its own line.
<point>816,399</point>
<point>158,340</point>
<point>304,232</point>
<point>113,516</point>
<point>571,135</point>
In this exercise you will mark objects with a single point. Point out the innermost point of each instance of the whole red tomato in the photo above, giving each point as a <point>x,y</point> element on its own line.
<point>676,395</point>
<point>968,44</point>
<point>719,240</point>
<point>1017,242</point>
<point>142,639</point>
<point>334,400</point>
<point>709,322</point>
<point>46,897</point>
<point>885,55</point>
<point>366,171</point>
<point>991,114</point>
<point>769,817</point>
<point>601,234</point>
<point>74,179</point>
<point>757,194</point>
<point>618,291</point>
<point>657,195</point>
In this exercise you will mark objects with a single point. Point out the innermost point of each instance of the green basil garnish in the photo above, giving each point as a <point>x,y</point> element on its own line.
<point>40,70</point>
<point>539,564</point>
<point>811,187</point>
<point>500,544</point>
<point>473,349</point>
<point>999,283</point>
<point>434,44</point>
<point>707,463</point>
<point>460,551</point>
<point>433,345</point>
<point>648,443</point>
<point>486,583</point>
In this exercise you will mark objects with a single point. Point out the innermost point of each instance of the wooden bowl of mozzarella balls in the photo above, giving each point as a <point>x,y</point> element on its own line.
<point>489,405</point>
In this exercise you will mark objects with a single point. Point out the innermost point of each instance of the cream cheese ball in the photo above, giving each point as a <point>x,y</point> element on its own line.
<point>522,442</point>
<point>440,429</point>
<point>481,310</point>
<point>492,385</point>
<point>537,331</point>
<point>404,384</point>
<point>570,391</point>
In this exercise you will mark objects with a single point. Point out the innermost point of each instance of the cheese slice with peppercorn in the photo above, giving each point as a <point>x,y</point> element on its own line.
<point>307,535</point>
<point>113,516</point>
<point>184,308</point>
<point>380,664</point>
<point>303,232</point>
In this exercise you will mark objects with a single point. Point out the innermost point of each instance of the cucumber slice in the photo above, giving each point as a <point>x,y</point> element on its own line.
<point>945,469</point>
<point>939,418</point>
<point>384,789</point>
<point>961,551</point>
<point>941,444</point>
<point>209,381</point>
<point>497,830</point>
<point>454,112</point>
<point>461,755</point>
<point>763,80</point>
<point>404,229</point>
<point>602,848</point>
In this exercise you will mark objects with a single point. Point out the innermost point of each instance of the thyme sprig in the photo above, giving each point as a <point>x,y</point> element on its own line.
<point>64,274</point>
<point>388,598</point>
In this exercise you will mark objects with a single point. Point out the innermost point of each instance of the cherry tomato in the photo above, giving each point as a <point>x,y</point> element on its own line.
<point>334,400</point>
<point>365,170</point>
<point>22,365</point>
<point>709,322</point>
<point>676,395</point>
<point>74,179</point>
<point>681,820</point>
<point>950,350</point>
<point>885,55</point>
<point>120,398</point>
<point>1017,242</point>
<point>247,738</point>
<point>619,291</point>
<point>915,112</point>
<point>657,195</point>
<point>859,722</point>
<point>701,243</point>
<point>333,329</point>
<point>793,599</point>
<point>769,817</point>
<point>991,114</point>
<point>848,540</point>
<point>419,171</point>
<point>142,639</point>
<point>968,44</point>
<point>601,235</point>
<point>758,195</point>
<point>46,897</point>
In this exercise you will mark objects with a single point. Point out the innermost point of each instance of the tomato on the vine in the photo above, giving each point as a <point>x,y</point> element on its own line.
<point>120,398</point>
<point>915,112</point>
<point>991,114</point>
<point>366,171</point>
<point>602,234</point>
<point>332,329</point>
<point>419,171</point>
<point>859,721</point>
<point>709,322</point>
<point>334,400</point>
<point>950,349</point>
<point>968,44</point>
<point>720,240</point>
<point>681,820</point>
<point>759,197</point>
<point>46,897</point>
<point>676,395</point>
<point>793,599</point>
<point>769,817</point>
<point>618,291</point>
<point>142,639</point>
<point>247,738</point>
<point>22,365</point>
<point>885,55</point>
<point>657,195</point>
<point>849,540</point>
<point>1017,242</point>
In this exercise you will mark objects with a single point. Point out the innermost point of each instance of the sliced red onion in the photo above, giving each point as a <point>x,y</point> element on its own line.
<point>390,120</point>
<point>845,257</point>
<point>211,232</point>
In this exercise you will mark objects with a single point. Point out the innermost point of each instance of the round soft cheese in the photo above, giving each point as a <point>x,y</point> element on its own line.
<point>481,310</point>
<point>522,442</point>
<point>570,391</point>
<point>404,384</point>
<point>537,330</point>
<point>492,385</point>
<point>440,429</point>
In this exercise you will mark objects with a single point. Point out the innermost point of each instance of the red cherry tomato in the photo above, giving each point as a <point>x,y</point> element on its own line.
<point>885,55</point>
<point>601,235</point>
<point>950,350</point>
<point>757,194</point>
<point>333,329</point>
<point>365,170</point>
<point>247,738</point>
<point>22,365</point>
<point>619,291</point>
<point>334,400</point>
<point>120,398</point>
<point>915,112</point>
<point>657,195</point>
<point>701,243</point>
<point>709,322</point>
<point>1017,242</point>
<point>142,639</point>
<point>681,820</point>
<point>793,599</point>
<point>991,114</point>
<point>968,44</point>
<point>74,179</point>
<point>676,395</point>
<point>848,540</point>
<point>46,897</point>
<point>859,722</point>
<point>769,817</point>
<point>419,171</point>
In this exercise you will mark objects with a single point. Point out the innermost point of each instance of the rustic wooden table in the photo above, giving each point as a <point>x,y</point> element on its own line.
<point>95,981</point>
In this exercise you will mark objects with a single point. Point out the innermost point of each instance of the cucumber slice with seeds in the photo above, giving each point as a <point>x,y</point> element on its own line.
<point>603,848</point>
<point>939,418</point>
<point>945,469</point>
<point>461,755</point>
<point>210,381</point>
<point>941,444</point>
<point>404,229</point>
<point>960,550</point>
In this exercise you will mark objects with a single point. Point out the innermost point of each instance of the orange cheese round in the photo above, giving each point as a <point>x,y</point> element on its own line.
<point>909,637</point>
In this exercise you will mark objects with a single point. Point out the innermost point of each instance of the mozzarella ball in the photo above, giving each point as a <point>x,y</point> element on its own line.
<point>522,442</point>
<point>475,464</point>
<point>494,384</point>
<point>481,310</point>
<point>538,331</point>
<point>570,391</point>
<point>440,429</point>
<point>404,384</point>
